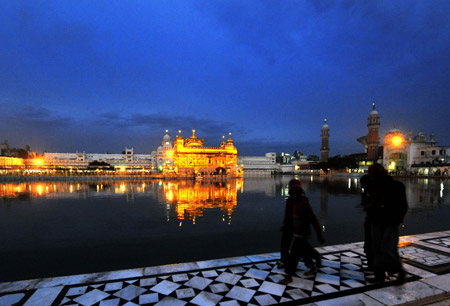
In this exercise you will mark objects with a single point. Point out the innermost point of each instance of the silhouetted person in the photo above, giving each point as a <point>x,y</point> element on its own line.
<point>287,228</point>
<point>300,216</point>
<point>366,203</point>
<point>388,207</point>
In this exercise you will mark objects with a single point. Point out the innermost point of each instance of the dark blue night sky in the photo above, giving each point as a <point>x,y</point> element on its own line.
<point>97,76</point>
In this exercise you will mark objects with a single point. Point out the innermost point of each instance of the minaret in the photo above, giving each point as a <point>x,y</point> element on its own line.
<point>325,149</point>
<point>373,140</point>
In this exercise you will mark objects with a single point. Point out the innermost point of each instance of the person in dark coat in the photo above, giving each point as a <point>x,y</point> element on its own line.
<point>300,216</point>
<point>287,228</point>
<point>388,207</point>
<point>366,203</point>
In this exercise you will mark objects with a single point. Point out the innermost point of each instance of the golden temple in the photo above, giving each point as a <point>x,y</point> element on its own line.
<point>192,158</point>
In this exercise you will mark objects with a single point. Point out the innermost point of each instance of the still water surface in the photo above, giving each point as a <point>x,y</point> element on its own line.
<point>61,228</point>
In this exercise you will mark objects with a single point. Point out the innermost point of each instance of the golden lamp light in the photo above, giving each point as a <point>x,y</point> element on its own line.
<point>397,140</point>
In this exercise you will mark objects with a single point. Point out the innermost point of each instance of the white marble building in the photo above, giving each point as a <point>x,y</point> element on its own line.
<point>415,155</point>
<point>127,160</point>
<point>163,156</point>
<point>259,164</point>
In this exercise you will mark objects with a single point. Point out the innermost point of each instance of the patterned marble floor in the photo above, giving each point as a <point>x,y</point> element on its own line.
<point>249,280</point>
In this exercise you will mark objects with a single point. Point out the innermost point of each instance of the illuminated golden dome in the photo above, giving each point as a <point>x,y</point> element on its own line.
<point>194,141</point>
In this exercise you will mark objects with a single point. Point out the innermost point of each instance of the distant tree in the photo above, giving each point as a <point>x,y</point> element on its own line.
<point>313,158</point>
<point>21,153</point>
<point>337,163</point>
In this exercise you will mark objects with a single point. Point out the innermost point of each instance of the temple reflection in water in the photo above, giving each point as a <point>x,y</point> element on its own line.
<point>188,198</point>
<point>192,198</point>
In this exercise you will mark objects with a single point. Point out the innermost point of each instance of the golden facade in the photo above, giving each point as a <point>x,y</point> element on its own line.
<point>11,162</point>
<point>192,158</point>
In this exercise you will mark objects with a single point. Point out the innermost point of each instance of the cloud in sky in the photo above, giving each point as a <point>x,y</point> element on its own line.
<point>114,130</point>
<point>268,71</point>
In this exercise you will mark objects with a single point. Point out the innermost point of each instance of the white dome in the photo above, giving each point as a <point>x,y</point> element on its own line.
<point>374,112</point>
<point>394,130</point>
<point>167,138</point>
<point>325,125</point>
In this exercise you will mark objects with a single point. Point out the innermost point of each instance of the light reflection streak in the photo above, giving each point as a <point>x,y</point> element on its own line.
<point>187,199</point>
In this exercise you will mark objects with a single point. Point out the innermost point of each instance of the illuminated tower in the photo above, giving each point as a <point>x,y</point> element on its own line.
<point>373,141</point>
<point>325,149</point>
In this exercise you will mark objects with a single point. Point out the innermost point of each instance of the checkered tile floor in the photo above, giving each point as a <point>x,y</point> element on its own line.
<point>255,284</point>
<point>252,280</point>
<point>441,241</point>
<point>424,257</point>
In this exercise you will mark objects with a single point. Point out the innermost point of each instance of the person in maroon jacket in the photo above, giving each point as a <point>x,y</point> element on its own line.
<point>300,216</point>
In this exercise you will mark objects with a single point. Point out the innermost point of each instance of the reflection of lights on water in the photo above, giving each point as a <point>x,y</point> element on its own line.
<point>39,189</point>
<point>349,183</point>
<point>46,188</point>
<point>426,181</point>
<point>71,188</point>
<point>441,193</point>
<point>18,188</point>
<point>355,181</point>
<point>98,188</point>
<point>122,187</point>
<point>181,223</point>
<point>170,195</point>
<point>323,228</point>
<point>78,186</point>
